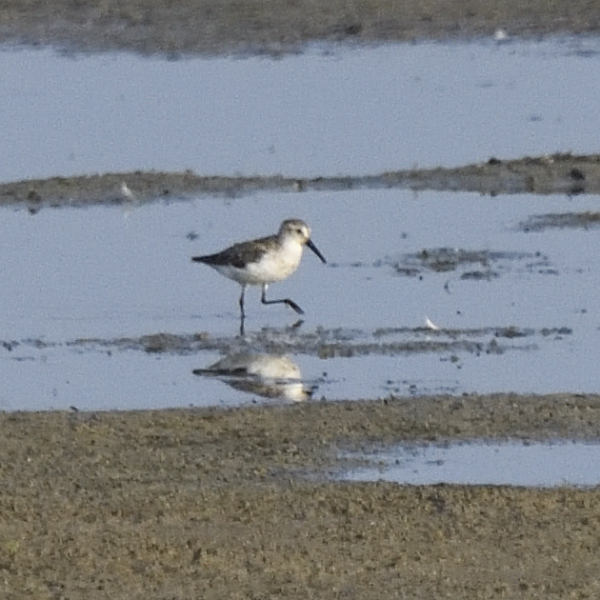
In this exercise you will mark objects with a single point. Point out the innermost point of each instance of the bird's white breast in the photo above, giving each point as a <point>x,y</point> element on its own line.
<point>275,264</point>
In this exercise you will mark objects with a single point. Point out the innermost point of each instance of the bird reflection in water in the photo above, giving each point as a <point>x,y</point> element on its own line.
<point>267,375</point>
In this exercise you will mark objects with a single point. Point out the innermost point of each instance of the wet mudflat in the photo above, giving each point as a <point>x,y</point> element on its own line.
<point>237,503</point>
<point>210,503</point>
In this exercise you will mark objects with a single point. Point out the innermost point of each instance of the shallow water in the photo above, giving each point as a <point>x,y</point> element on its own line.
<point>86,289</point>
<point>327,111</point>
<point>423,293</point>
<point>539,464</point>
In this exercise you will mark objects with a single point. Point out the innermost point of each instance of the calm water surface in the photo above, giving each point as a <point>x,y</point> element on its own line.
<point>527,322</point>
<point>77,282</point>
<point>327,111</point>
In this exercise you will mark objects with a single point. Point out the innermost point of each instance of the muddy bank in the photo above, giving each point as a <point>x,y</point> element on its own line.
<point>212,504</point>
<point>225,26</point>
<point>553,174</point>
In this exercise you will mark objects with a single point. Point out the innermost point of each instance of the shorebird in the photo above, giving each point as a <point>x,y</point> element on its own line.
<point>264,261</point>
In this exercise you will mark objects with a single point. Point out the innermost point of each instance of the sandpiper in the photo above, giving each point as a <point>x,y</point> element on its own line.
<point>265,260</point>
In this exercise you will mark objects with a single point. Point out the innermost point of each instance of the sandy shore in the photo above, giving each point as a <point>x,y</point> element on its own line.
<point>238,504</point>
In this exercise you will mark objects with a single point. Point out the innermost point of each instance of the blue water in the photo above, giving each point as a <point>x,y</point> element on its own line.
<point>540,464</point>
<point>108,273</point>
<point>327,111</point>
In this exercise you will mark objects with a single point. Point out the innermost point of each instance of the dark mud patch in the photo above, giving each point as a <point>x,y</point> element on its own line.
<point>477,265</point>
<point>344,343</point>
<point>237,504</point>
<point>551,174</point>
<point>268,26</point>
<point>585,220</point>
<point>322,342</point>
<point>545,175</point>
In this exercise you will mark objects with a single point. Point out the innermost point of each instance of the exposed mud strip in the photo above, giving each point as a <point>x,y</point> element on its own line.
<point>267,26</point>
<point>556,174</point>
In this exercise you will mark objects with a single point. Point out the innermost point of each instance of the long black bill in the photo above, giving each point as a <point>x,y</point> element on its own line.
<point>310,244</point>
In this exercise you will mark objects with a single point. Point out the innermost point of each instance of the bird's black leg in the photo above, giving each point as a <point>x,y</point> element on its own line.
<point>242,302</point>
<point>242,313</point>
<point>287,301</point>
